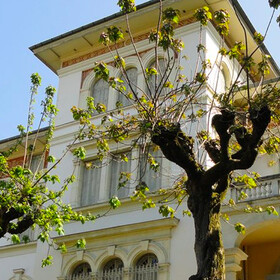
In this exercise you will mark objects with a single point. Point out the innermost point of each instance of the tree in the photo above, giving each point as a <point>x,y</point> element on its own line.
<point>25,199</point>
<point>244,120</point>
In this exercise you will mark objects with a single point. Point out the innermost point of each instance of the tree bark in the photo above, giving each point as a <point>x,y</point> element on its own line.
<point>208,247</point>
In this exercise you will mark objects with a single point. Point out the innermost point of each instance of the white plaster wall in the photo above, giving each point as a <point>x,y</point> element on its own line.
<point>26,261</point>
<point>68,96</point>
<point>182,257</point>
<point>191,39</point>
<point>48,272</point>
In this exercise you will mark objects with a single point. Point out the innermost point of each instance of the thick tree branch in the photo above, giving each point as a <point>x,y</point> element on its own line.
<point>248,153</point>
<point>222,122</point>
<point>213,150</point>
<point>178,148</point>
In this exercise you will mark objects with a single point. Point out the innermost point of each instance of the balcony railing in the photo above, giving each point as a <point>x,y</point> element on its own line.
<point>146,272</point>
<point>113,274</point>
<point>82,276</point>
<point>268,186</point>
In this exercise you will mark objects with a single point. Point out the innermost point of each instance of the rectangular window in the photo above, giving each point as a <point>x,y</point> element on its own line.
<point>147,174</point>
<point>117,166</point>
<point>91,175</point>
<point>108,177</point>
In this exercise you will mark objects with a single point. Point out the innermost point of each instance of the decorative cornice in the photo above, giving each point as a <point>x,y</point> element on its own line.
<point>154,225</point>
<point>104,50</point>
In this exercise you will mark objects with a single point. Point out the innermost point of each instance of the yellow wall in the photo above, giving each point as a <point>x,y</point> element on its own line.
<point>263,259</point>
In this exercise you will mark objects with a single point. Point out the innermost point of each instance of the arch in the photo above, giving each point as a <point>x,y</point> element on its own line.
<point>149,57</point>
<point>153,248</point>
<point>147,259</point>
<point>113,263</point>
<point>82,268</point>
<point>226,72</point>
<point>130,62</point>
<point>90,79</point>
<point>105,257</point>
<point>132,73</point>
<point>262,245</point>
<point>73,262</point>
<point>257,223</point>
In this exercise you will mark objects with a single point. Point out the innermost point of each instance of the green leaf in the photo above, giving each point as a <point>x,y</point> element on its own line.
<point>114,202</point>
<point>47,261</point>
<point>80,153</point>
<point>271,210</point>
<point>51,159</point>
<point>62,248</point>
<point>15,239</point>
<point>166,211</point>
<point>240,228</point>
<point>81,243</point>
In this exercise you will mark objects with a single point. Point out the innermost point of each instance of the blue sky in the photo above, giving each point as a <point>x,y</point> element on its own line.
<point>28,22</point>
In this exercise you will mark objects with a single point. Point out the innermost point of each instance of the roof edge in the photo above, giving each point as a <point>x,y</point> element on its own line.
<point>252,29</point>
<point>92,24</point>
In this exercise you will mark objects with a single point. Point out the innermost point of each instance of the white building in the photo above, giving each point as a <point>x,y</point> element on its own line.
<point>129,243</point>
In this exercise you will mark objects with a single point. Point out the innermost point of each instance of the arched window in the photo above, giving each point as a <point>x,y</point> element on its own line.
<point>146,267</point>
<point>81,272</point>
<point>100,92</point>
<point>161,69</point>
<point>221,84</point>
<point>132,76</point>
<point>112,270</point>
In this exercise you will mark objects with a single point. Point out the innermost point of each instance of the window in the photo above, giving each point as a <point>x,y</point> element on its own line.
<point>37,163</point>
<point>147,175</point>
<point>91,175</point>
<point>132,76</point>
<point>27,236</point>
<point>81,272</point>
<point>100,92</point>
<point>116,167</point>
<point>112,270</point>
<point>161,70</point>
<point>146,268</point>
<point>221,84</point>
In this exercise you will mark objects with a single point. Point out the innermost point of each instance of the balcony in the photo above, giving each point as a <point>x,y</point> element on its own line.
<point>267,187</point>
<point>144,272</point>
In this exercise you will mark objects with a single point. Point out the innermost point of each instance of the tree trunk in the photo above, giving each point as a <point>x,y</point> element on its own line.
<point>208,238</point>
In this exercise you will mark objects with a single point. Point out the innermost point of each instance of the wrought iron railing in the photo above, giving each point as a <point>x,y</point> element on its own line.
<point>80,276</point>
<point>145,272</point>
<point>112,274</point>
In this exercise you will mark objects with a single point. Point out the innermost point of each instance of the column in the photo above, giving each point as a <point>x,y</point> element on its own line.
<point>233,258</point>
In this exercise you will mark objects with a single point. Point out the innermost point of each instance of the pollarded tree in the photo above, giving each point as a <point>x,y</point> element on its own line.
<point>241,118</point>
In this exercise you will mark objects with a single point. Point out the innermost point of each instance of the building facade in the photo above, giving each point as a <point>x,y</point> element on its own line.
<point>128,243</point>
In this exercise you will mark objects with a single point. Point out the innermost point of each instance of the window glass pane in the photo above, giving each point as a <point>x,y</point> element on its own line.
<point>82,271</point>
<point>146,268</point>
<point>132,76</point>
<point>100,92</point>
<point>37,163</point>
<point>116,167</point>
<point>221,86</point>
<point>113,264</point>
<point>151,178</point>
<point>113,270</point>
<point>161,70</point>
<point>91,182</point>
<point>148,259</point>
